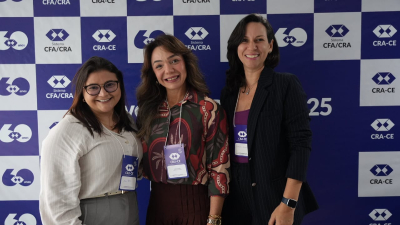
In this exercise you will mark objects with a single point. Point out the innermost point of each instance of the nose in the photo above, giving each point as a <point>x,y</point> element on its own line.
<point>103,92</point>
<point>252,45</point>
<point>168,68</point>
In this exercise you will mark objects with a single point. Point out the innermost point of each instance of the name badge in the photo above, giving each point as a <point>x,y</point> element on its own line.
<point>240,132</point>
<point>129,173</point>
<point>175,160</point>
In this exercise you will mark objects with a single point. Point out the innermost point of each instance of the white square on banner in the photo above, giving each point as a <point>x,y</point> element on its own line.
<point>227,24</point>
<point>16,8</point>
<point>380,6</point>
<point>378,82</point>
<point>47,119</point>
<point>378,174</point>
<point>101,8</point>
<point>58,40</point>
<point>20,178</point>
<point>289,6</point>
<point>18,83</point>
<point>142,30</point>
<point>196,7</point>
<point>337,36</point>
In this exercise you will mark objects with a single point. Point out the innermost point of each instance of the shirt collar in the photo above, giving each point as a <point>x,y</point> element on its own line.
<point>191,96</point>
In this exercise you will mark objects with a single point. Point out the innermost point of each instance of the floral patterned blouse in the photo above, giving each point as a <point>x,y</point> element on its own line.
<point>204,132</point>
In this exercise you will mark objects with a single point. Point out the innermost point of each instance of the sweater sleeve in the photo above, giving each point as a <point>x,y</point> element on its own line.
<point>60,174</point>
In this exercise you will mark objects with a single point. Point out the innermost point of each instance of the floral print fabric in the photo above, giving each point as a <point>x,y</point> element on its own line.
<point>204,132</point>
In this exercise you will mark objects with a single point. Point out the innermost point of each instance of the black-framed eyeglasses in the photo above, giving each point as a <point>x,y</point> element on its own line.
<point>109,86</point>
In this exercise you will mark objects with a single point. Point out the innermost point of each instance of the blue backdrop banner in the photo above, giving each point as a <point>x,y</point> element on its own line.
<point>345,52</point>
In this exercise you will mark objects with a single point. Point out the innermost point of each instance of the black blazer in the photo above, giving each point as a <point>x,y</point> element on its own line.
<point>279,141</point>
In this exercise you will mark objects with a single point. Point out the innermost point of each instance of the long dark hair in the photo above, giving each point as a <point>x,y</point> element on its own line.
<point>150,95</point>
<point>82,111</point>
<point>235,77</point>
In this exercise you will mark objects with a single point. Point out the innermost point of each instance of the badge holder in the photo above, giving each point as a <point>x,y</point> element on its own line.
<point>240,135</point>
<point>129,173</point>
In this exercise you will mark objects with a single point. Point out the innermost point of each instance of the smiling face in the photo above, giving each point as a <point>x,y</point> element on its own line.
<point>170,69</point>
<point>102,104</point>
<point>255,47</point>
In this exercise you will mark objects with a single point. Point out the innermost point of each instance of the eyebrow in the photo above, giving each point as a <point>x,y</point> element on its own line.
<point>261,35</point>
<point>173,55</point>
<point>98,84</point>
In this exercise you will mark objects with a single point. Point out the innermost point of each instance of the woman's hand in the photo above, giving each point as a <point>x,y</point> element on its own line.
<point>282,215</point>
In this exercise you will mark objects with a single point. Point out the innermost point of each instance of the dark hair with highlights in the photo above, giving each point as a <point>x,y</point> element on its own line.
<point>150,95</point>
<point>235,77</point>
<point>82,111</point>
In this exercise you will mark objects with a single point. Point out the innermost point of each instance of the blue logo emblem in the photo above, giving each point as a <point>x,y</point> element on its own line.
<point>383,78</point>
<point>174,156</point>
<point>129,167</point>
<point>17,40</point>
<point>104,35</point>
<point>338,30</point>
<point>24,219</point>
<point>242,134</point>
<point>380,214</point>
<point>142,39</point>
<point>384,31</point>
<point>23,177</point>
<point>57,35</point>
<point>19,86</point>
<point>196,33</point>
<point>21,133</point>
<point>289,39</point>
<point>382,124</point>
<point>381,170</point>
<point>59,81</point>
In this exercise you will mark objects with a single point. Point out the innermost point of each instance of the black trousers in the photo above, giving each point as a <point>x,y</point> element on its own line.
<point>239,205</point>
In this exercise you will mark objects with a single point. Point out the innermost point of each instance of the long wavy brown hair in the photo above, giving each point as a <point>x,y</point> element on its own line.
<point>150,95</point>
<point>82,111</point>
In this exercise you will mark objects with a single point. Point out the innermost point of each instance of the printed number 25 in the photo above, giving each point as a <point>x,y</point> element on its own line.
<point>324,104</point>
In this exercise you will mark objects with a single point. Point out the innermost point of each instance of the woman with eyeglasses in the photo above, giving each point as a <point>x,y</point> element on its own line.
<point>90,159</point>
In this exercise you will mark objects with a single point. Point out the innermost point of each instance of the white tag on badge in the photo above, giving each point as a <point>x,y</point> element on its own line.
<point>241,149</point>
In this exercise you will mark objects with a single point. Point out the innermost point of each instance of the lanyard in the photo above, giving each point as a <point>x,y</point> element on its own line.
<point>180,119</point>
<point>123,150</point>
<point>234,113</point>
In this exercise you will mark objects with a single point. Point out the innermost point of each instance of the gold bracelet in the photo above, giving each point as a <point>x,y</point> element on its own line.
<point>215,216</point>
<point>214,221</point>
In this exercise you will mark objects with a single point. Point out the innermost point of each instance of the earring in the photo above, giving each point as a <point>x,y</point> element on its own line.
<point>157,82</point>
<point>83,100</point>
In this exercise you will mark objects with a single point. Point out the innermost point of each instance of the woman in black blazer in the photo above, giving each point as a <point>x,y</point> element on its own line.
<point>269,132</point>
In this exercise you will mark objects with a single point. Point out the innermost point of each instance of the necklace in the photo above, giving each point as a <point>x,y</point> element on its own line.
<point>248,91</point>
